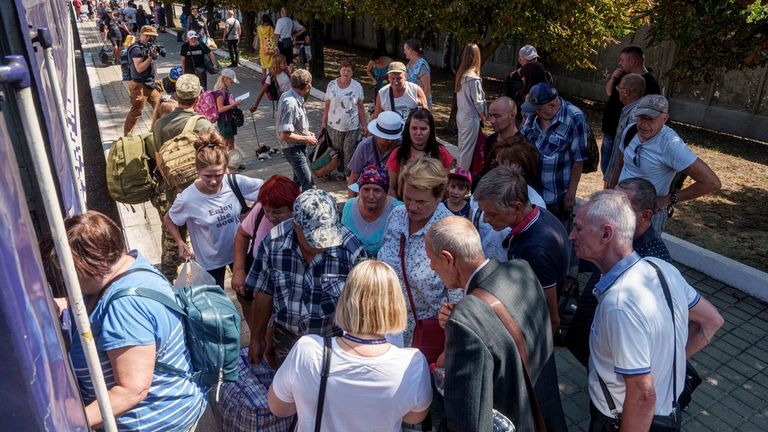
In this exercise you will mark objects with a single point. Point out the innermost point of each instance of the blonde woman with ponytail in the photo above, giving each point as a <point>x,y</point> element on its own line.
<point>210,208</point>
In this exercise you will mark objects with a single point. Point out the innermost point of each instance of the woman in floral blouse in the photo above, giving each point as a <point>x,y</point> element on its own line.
<point>424,183</point>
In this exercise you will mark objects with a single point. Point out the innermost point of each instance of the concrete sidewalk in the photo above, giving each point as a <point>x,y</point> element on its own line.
<point>734,396</point>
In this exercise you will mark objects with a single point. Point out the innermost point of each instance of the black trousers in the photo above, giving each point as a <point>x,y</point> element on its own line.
<point>287,52</point>
<point>234,54</point>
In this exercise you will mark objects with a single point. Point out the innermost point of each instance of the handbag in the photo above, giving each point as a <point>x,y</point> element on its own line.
<point>428,336</point>
<point>660,423</point>
<point>517,335</point>
<point>238,118</point>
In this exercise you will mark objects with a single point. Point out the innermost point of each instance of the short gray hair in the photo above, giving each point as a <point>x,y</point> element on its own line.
<point>504,185</point>
<point>613,208</point>
<point>457,236</point>
<point>642,193</point>
<point>300,78</point>
<point>635,83</point>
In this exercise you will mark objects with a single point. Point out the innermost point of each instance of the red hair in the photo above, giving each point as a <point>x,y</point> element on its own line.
<point>278,191</point>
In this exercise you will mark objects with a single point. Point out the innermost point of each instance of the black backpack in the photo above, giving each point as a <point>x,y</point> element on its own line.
<point>593,153</point>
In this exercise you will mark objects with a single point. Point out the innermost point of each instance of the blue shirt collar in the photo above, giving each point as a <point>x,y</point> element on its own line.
<point>617,270</point>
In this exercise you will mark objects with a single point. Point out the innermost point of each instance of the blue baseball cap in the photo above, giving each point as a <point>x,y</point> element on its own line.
<point>539,95</point>
<point>175,73</point>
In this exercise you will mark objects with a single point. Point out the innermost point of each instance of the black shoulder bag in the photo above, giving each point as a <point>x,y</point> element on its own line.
<point>660,423</point>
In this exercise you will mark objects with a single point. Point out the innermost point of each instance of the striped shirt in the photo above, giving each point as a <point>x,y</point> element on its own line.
<point>173,402</point>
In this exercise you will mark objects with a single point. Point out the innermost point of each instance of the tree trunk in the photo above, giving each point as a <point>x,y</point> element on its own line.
<point>381,40</point>
<point>396,44</point>
<point>249,29</point>
<point>170,14</point>
<point>317,40</point>
<point>451,126</point>
<point>213,20</point>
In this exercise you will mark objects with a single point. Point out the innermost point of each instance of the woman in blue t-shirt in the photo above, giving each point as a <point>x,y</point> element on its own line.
<point>132,333</point>
<point>366,215</point>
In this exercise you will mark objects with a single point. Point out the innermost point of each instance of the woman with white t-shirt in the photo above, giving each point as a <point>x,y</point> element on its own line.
<point>344,114</point>
<point>372,385</point>
<point>210,209</point>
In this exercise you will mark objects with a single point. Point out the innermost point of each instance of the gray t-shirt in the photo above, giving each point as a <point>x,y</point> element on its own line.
<point>657,160</point>
<point>291,117</point>
<point>366,154</point>
<point>233,28</point>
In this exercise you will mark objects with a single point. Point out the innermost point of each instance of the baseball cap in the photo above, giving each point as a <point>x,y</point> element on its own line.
<point>461,174</point>
<point>528,53</point>
<point>148,30</point>
<point>539,95</point>
<point>188,86</point>
<point>388,125</point>
<point>175,73</point>
<point>229,73</point>
<point>652,106</point>
<point>316,213</point>
<point>396,67</point>
<point>371,174</point>
<point>191,34</point>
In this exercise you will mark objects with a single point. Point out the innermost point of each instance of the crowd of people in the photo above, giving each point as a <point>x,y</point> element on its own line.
<point>456,267</point>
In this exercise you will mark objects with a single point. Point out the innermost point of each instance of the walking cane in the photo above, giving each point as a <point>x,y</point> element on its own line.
<point>261,152</point>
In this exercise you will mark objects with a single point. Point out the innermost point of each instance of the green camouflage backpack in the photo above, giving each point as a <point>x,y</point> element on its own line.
<point>129,170</point>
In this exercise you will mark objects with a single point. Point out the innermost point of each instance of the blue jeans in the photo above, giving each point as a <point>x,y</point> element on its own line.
<point>297,157</point>
<point>605,152</point>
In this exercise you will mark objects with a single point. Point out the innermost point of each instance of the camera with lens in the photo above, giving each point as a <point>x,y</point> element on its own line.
<point>153,50</point>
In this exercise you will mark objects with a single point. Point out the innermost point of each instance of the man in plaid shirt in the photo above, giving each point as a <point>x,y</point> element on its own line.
<point>559,130</point>
<point>298,275</point>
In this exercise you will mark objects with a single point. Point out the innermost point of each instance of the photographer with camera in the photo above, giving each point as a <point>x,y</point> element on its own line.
<point>142,86</point>
<point>193,56</point>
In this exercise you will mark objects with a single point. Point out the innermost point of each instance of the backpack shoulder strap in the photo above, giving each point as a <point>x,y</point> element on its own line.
<point>631,132</point>
<point>150,294</point>
<point>191,123</point>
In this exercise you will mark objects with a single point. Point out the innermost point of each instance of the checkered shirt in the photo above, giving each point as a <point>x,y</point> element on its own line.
<point>304,295</point>
<point>560,145</point>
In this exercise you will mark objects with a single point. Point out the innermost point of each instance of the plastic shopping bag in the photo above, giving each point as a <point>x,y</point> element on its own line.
<point>191,274</point>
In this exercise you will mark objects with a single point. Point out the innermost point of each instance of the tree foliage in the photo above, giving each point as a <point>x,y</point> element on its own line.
<point>712,35</point>
<point>569,31</point>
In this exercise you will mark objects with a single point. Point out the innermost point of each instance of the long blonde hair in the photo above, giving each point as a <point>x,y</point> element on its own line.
<point>470,62</point>
<point>274,68</point>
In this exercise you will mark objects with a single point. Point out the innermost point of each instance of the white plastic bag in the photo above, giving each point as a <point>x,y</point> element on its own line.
<point>191,274</point>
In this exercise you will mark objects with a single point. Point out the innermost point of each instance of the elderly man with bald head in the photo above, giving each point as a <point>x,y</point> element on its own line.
<point>483,367</point>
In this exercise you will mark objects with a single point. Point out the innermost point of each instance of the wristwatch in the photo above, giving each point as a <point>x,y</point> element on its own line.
<point>672,198</point>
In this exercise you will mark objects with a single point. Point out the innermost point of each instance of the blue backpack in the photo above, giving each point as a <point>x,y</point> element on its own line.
<point>212,329</point>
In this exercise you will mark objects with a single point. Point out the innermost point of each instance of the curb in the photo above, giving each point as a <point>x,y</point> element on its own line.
<point>747,279</point>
